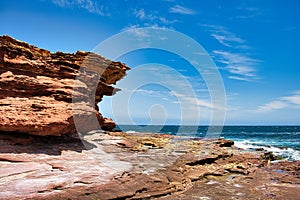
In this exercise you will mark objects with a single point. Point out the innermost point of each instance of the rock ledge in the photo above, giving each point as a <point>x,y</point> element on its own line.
<point>43,93</point>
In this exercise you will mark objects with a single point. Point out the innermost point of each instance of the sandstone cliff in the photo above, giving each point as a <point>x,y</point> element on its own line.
<point>43,93</point>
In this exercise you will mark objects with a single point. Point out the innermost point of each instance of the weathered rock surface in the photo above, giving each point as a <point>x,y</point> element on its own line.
<point>43,93</point>
<point>117,165</point>
<point>46,95</point>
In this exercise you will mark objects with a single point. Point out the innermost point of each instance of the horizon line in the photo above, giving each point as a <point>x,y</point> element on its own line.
<point>208,125</point>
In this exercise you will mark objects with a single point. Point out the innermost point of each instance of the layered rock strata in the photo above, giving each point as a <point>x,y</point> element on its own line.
<point>116,165</point>
<point>43,93</point>
<point>47,94</point>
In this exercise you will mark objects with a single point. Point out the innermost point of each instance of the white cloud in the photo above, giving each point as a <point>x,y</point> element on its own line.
<point>238,78</point>
<point>193,101</point>
<point>295,99</point>
<point>89,5</point>
<point>140,13</point>
<point>248,13</point>
<point>151,18</point>
<point>225,37</point>
<point>151,93</point>
<point>62,3</point>
<point>273,105</point>
<point>240,66</point>
<point>280,103</point>
<point>181,10</point>
<point>143,34</point>
<point>166,21</point>
<point>137,31</point>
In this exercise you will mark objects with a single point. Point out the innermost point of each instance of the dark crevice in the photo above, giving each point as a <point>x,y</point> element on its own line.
<point>81,182</point>
<point>207,160</point>
<point>9,160</point>
<point>203,161</point>
<point>236,171</point>
<point>58,187</point>
<point>42,191</point>
<point>141,190</point>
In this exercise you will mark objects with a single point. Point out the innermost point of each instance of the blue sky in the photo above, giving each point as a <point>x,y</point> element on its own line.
<point>254,44</point>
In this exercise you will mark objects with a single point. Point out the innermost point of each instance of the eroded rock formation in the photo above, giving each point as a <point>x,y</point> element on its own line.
<point>116,165</point>
<point>46,94</point>
<point>43,93</point>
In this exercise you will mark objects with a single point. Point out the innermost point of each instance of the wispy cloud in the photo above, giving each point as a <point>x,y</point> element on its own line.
<point>240,66</point>
<point>149,18</point>
<point>282,102</point>
<point>192,100</point>
<point>238,78</point>
<point>225,37</point>
<point>140,13</point>
<point>143,34</point>
<point>248,13</point>
<point>182,10</point>
<point>185,89</point>
<point>137,31</point>
<point>295,98</point>
<point>273,105</point>
<point>89,5</point>
<point>151,93</point>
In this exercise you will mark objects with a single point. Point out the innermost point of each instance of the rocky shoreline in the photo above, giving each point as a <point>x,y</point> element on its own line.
<point>117,165</point>
<point>44,95</point>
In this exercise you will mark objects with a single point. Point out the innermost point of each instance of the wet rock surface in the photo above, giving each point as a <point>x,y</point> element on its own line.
<point>117,165</point>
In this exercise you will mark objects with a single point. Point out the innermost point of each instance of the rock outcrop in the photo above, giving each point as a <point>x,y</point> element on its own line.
<point>117,165</point>
<point>56,94</point>
<point>43,93</point>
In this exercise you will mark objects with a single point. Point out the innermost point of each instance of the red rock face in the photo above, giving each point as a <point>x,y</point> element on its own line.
<point>43,93</point>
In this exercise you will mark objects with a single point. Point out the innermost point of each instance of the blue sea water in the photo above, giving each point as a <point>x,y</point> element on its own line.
<point>283,141</point>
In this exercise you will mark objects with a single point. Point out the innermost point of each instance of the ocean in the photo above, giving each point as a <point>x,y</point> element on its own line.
<point>283,141</point>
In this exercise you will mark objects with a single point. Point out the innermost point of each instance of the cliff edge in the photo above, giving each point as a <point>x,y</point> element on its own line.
<point>43,93</point>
